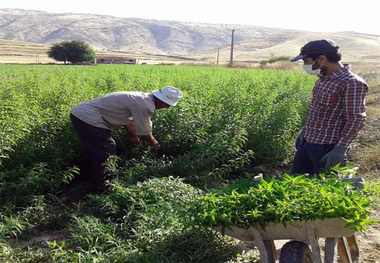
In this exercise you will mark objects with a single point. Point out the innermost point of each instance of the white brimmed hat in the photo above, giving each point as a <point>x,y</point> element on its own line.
<point>170,95</point>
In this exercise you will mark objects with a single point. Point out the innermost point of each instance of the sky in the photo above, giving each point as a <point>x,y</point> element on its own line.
<point>320,15</point>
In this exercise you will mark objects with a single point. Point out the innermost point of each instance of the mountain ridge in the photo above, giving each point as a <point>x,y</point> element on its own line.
<point>123,34</point>
<point>196,41</point>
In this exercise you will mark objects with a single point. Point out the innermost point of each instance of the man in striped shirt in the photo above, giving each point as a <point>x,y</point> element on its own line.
<point>337,111</point>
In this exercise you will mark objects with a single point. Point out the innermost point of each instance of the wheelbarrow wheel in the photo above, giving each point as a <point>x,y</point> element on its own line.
<point>296,252</point>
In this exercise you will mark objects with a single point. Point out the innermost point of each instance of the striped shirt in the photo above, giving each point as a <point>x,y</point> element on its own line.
<point>337,111</point>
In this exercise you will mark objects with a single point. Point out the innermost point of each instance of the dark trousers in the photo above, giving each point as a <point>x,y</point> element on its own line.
<point>306,159</point>
<point>99,145</point>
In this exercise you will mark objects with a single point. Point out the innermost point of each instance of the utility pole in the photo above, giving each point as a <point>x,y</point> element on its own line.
<point>232,50</point>
<point>217,57</point>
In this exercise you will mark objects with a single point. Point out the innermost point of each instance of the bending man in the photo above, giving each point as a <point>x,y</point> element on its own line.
<point>94,120</point>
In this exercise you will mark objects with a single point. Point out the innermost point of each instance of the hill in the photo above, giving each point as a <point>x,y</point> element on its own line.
<point>356,48</point>
<point>28,34</point>
<point>122,34</point>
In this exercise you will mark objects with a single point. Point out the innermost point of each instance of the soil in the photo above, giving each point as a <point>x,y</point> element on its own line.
<point>369,241</point>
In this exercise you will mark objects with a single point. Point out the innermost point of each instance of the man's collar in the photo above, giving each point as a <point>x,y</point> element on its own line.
<point>339,72</point>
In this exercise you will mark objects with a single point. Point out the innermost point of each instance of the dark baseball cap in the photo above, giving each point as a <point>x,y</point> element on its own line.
<point>317,47</point>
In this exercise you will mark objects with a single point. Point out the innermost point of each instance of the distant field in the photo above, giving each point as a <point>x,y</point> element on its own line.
<point>23,52</point>
<point>17,52</point>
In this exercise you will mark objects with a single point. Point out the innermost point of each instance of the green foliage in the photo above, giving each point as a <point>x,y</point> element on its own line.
<point>273,60</point>
<point>146,222</point>
<point>287,199</point>
<point>58,52</point>
<point>11,227</point>
<point>244,110</point>
<point>20,185</point>
<point>28,254</point>
<point>229,121</point>
<point>74,51</point>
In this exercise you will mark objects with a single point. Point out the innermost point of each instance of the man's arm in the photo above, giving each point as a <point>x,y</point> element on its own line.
<point>135,141</point>
<point>152,141</point>
<point>354,110</point>
<point>130,128</point>
<point>355,114</point>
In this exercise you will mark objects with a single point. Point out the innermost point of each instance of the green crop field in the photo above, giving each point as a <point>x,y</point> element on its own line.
<point>229,122</point>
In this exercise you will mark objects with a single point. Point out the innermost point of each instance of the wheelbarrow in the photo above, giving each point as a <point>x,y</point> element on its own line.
<point>303,235</point>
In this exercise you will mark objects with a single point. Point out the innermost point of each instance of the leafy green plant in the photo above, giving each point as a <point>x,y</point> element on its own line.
<point>11,227</point>
<point>21,185</point>
<point>28,254</point>
<point>146,222</point>
<point>288,199</point>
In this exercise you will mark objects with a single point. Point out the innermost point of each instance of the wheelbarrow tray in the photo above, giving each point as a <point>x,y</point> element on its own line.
<point>323,228</point>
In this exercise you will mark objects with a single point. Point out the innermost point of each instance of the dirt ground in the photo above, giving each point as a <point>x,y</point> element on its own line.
<point>369,241</point>
<point>369,244</point>
<point>369,138</point>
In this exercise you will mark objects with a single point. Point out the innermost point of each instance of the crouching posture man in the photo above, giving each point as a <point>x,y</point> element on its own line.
<point>94,121</point>
<point>337,111</point>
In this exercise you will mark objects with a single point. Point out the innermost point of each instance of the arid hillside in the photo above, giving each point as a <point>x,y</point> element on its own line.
<point>123,34</point>
<point>355,48</point>
<point>26,36</point>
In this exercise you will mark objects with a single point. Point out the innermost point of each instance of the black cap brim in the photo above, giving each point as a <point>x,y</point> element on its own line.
<point>300,56</point>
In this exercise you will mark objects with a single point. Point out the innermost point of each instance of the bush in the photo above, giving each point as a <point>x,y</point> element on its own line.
<point>273,60</point>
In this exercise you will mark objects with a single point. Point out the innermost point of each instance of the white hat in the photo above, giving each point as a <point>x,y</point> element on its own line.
<point>170,95</point>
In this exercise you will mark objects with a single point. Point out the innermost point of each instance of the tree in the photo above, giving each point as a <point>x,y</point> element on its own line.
<point>57,52</point>
<point>74,51</point>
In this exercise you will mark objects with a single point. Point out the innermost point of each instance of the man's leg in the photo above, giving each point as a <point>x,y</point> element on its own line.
<point>316,152</point>
<point>99,153</point>
<point>99,144</point>
<point>302,163</point>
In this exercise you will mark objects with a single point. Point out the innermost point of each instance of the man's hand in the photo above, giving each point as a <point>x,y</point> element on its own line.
<point>335,156</point>
<point>160,152</point>
<point>152,141</point>
<point>135,141</point>
<point>299,138</point>
<point>155,146</point>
